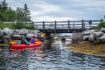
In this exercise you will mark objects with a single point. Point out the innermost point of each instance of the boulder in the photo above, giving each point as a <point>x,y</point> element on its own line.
<point>16,32</point>
<point>7,31</point>
<point>30,35</point>
<point>23,31</point>
<point>33,31</point>
<point>1,32</point>
<point>91,37</point>
<point>85,37</point>
<point>102,39</point>
<point>16,37</point>
<point>6,38</point>
<point>88,32</point>
<point>98,34</point>
<point>103,30</point>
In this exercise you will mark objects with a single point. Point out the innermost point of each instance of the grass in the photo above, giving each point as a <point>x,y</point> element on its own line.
<point>4,44</point>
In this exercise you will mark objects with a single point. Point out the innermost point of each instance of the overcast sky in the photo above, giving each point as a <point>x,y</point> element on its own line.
<point>42,10</point>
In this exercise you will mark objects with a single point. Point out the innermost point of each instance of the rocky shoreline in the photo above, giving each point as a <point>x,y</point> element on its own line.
<point>88,48</point>
<point>91,42</point>
<point>7,34</point>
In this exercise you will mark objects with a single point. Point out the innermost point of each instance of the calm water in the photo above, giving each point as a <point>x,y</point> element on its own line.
<point>56,58</point>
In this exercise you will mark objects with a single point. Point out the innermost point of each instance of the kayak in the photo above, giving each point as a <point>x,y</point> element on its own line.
<point>23,46</point>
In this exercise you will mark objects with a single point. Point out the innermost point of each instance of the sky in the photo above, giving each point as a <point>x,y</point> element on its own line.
<point>51,10</point>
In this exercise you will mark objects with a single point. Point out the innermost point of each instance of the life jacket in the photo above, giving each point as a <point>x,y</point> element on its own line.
<point>32,40</point>
<point>24,41</point>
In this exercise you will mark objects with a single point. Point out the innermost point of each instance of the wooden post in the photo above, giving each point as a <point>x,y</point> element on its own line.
<point>73,25</point>
<point>68,25</point>
<point>43,25</point>
<point>83,25</point>
<point>55,26</point>
<point>90,22</point>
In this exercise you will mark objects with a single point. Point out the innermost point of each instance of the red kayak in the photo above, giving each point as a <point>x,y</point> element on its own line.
<point>23,46</point>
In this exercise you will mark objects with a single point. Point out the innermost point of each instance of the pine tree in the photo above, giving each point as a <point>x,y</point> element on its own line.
<point>19,14</point>
<point>26,13</point>
<point>4,5</point>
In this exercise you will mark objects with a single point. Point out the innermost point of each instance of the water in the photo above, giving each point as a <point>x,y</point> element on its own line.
<point>56,58</point>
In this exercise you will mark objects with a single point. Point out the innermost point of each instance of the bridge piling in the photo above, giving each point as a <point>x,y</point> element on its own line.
<point>55,26</point>
<point>68,25</point>
<point>43,25</point>
<point>83,25</point>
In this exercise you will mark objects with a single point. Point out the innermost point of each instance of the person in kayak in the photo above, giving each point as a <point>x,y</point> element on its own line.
<point>24,40</point>
<point>33,40</point>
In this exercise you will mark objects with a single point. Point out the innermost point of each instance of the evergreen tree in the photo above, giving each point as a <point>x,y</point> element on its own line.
<point>4,5</point>
<point>3,10</point>
<point>11,14</point>
<point>26,13</point>
<point>19,14</point>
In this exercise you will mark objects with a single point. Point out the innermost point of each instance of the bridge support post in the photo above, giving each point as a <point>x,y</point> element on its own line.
<point>83,25</point>
<point>68,25</point>
<point>55,26</point>
<point>43,25</point>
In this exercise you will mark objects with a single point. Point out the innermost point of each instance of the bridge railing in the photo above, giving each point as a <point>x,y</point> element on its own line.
<point>82,24</point>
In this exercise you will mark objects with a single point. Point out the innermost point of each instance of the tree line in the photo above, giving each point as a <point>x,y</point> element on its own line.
<point>20,15</point>
<point>10,15</point>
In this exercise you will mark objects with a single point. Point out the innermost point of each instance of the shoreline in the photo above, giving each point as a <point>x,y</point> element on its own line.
<point>88,48</point>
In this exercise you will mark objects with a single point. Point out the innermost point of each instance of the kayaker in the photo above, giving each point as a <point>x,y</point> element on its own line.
<point>33,39</point>
<point>24,40</point>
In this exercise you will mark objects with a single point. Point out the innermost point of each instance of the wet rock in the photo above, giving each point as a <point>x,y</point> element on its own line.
<point>23,31</point>
<point>7,31</point>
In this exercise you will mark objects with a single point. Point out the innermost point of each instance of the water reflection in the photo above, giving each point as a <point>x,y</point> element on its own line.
<point>56,58</point>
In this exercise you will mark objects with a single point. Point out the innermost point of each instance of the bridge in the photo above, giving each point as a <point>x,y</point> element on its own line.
<point>66,26</point>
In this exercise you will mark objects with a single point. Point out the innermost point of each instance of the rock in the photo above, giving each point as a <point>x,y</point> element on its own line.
<point>16,37</point>
<point>7,31</point>
<point>7,38</point>
<point>98,34</point>
<point>1,32</point>
<point>30,35</point>
<point>33,31</point>
<point>88,32</point>
<point>103,30</point>
<point>91,37</point>
<point>16,32</point>
<point>85,37</point>
<point>102,39</point>
<point>23,31</point>
<point>77,37</point>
